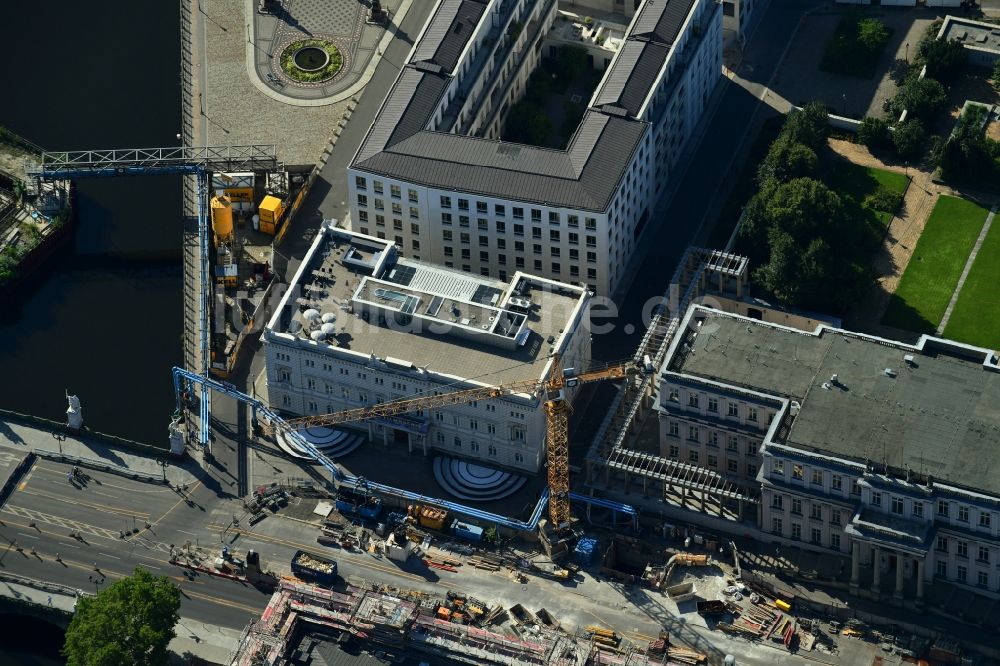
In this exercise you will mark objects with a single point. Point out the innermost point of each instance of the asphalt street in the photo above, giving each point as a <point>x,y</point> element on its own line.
<point>46,508</point>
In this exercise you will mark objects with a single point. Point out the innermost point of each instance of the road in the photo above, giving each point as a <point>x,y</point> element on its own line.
<point>100,509</point>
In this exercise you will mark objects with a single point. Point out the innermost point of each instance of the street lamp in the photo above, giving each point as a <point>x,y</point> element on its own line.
<point>907,53</point>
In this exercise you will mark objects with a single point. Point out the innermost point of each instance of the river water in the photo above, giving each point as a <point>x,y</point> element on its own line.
<point>104,319</point>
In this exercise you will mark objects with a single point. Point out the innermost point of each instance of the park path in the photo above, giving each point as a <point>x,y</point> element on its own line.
<point>965,272</point>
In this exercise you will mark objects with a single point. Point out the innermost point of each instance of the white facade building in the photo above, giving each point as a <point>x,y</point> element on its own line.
<point>401,328</point>
<point>861,445</point>
<point>433,177</point>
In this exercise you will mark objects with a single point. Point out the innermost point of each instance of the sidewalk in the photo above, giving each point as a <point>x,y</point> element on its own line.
<point>22,438</point>
<point>206,641</point>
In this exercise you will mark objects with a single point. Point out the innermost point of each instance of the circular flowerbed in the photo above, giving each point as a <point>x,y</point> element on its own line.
<point>311,60</point>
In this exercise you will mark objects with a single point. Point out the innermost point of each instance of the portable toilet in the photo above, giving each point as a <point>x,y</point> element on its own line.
<point>222,218</point>
<point>270,210</point>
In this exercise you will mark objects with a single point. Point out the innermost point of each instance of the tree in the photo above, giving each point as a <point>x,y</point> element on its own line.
<point>785,160</point>
<point>571,61</point>
<point>809,126</point>
<point>539,129</point>
<point>996,75</point>
<point>129,622</point>
<point>873,133</point>
<point>923,98</point>
<point>872,34</point>
<point>944,58</point>
<point>909,139</point>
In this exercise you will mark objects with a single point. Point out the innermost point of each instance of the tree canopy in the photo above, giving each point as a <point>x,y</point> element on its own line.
<point>922,98</point>
<point>944,58</point>
<point>129,622</point>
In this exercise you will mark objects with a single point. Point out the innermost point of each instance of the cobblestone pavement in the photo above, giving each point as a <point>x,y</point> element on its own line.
<point>342,22</point>
<point>235,111</point>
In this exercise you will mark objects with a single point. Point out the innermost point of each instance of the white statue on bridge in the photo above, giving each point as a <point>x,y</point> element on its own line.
<point>74,413</point>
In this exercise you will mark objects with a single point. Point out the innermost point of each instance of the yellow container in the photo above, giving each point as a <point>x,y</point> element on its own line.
<point>241,194</point>
<point>222,217</point>
<point>270,210</point>
<point>783,605</point>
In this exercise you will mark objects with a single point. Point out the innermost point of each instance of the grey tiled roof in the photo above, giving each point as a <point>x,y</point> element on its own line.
<point>661,20</point>
<point>448,31</point>
<point>583,176</point>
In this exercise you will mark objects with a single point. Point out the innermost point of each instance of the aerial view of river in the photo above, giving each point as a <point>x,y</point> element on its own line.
<point>103,318</point>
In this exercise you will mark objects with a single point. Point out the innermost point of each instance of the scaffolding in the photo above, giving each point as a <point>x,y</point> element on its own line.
<point>390,622</point>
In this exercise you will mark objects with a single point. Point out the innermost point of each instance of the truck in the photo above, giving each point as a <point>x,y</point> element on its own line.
<point>314,568</point>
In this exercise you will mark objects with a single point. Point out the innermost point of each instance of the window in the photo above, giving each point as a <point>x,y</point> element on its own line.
<point>556,268</point>
<point>778,467</point>
<point>796,532</point>
<point>817,477</point>
<point>816,511</point>
<point>463,221</point>
<point>982,579</point>
<point>836,482</point>
<point>713,404</point>
<point>463,204</point>
<point>362,200</point>
<point>942,508</point>
<point>918,509</point>
<point>673,395</point>
<point>751,413</point>
<point>961,573</point>
<point>591,273</point>
<point>797,472</point>
<point>733,466</point>
<point>474,446</point>
<point>675,451</point>
<point>394,191</point>
<point>518,229</point>
<point>591,257</point>
<point>876,499</point>
<point>363,217</point>
<point>360,183</point>
<point>574,238</point>
<point>942,544</point>
<point>482,224</point>
<point>415,229</point>
<point>397,225</point>
<point>962,549</point>
<point>835,541</point>
<point>536,233</point>
<point>484,241</point>
<point>897,506</point>
<point>834,516</point>
<point>482,208</point>
<point>518,214</point>
<point>499,210</point>
<point>733,443</point>
<point>693,400</point>
<point>446,235</point>
<point>693,456</point>
<point>693,433</point>
<point>536,215</point>
<point>713,438</point>
<point>414,213</point>
<point>553,217</point>
<point>380,220</point>
<point>796,506</point>
<point>776,525</point>
<point>942,568</point>
<point>984,554</point>
<point>733,409</point>
<point>412,195</point>
<point>777,502</point>
<point>591,223</point>
<point>963,514</point>
<point>491,450</point>
<point>464,237</point>
<point>554,235</point>
<point>484,256</point>
<point>713,461</point>
<point>501,228</point>
<point>397,208</point>
<point>591,241</point>
<point>377,185</point>
<point>458,442</point>
<point>445,202</point>
<point>673,429</point>
<point>816,536</point>
<point>518,458</point>
<point>379,204</point>
<point>984,519</point>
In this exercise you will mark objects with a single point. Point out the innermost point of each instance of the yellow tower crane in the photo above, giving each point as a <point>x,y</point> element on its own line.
<point>557,411</point>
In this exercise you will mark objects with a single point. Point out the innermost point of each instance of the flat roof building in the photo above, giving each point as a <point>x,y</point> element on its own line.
<point>981,40</point>
<point>433,176</point>
<point>360,325</point>
<point>860,444</point>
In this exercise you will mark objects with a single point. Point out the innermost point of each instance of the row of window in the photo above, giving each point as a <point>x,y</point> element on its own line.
<point>491,449</point>
<point>817,476</point>
<point>943,545</point>
<point>732,407</point>
<point>795,508</point>
<point>517,212</point>
<point>962,574</point>
<point>501,228</point>
<point>815,533</point>
<point>984,518</point>
<point>712,461</point>
<point>694,435</point>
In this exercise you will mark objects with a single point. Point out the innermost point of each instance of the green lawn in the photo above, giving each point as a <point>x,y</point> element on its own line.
<point>936,264</point>
<point>976,317</point>
<point>858,182</point>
